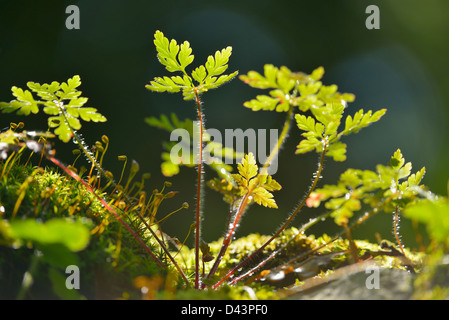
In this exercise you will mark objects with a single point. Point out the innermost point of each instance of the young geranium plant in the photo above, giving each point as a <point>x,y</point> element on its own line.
<point>319,112</point>
<point>293,93</point>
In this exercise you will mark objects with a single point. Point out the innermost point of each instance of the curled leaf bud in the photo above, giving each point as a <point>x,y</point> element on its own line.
<point>105,139</point>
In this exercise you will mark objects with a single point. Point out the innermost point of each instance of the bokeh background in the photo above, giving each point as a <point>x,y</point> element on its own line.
<point>403,67</point>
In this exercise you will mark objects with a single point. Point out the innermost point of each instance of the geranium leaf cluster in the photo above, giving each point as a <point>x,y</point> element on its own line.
<point>321,129</point>
<point>288,88</point>
<point>257,187</point>
<point>62,101</point>
<point>386,188</point>
<point>177,57</point>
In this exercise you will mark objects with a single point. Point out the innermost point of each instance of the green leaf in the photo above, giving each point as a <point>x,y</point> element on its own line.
<point>185,55</point>
<point>309,144</point>
<point>262,102</point>
<point>435,215</point>
<point>177,58</point>
<point>256,80</point>
<point>74,236</point>
<point>256,187</point>
<point>164,84</point>
<point>337,151</point>
<point>218,64</point>
<point>262,197</point>
<point>45,91</point>
<point>415,179</point>
<point>24,105</point>
<point>64,116</point>
<point>213,82</point>
<point>308,124</point>
<point>248,168</point>
<point>169,169</point>
<point>199,74</point>
<point>361,120</point>
<point>168,53</point>
<point>91,114</point>
<point>69,89</point>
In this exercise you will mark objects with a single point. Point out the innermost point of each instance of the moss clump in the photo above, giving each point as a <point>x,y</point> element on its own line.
<point>109,263</point>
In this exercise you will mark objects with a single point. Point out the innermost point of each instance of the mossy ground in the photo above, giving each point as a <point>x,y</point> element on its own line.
<point>114,265</point>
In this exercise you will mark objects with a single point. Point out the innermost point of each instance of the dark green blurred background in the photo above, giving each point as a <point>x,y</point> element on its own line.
<point>402,67</point>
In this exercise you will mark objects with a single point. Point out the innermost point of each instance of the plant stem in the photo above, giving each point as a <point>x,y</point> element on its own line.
<point>106,205</point>
<point>287,222</point>
<point>227,240</point>
<point>100,170</point>
<point>233,226</point>
<point>284,133</point>
<point>198,194</point>
<point>396,229</point>
<point>274,253</point>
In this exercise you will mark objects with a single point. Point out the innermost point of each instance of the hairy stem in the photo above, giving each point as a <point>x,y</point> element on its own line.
<point>233,226</point>
<point>98,167</point>
<point>114,212</point>
<point>107,206</point>
<point>227,240</point>
<point>286,223</point>
<point>274,253</point>
<point>284,133</point>
<point>396,229</point>
<point>198,194</point>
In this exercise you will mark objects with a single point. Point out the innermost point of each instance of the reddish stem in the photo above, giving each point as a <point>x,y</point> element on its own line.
<point>228,238</point>
<point>112,210</point>
<point>282,228</point>
<point>396,229</point>
<point>198,195</point>
<point>109,208</point>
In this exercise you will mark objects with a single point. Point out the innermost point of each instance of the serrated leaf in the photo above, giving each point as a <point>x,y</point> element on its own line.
<point>397,160</point>
<point>262,197</point>
<point>185,55</point>
<point>164,84</point>
<point>199,74</point>
<point>91,114</point>
<point>256,80</point>
<point>415,178</point>
<point>45,91</point>
<point>24,105</point>
<point>309,144</point>
<point>212,83</point>
<point>217,64</point>
<point>248,168</point>
<point>361,120</point>
<point>64,117</point>
<point>167,52</point>
<point>270,184</point>
<point>308,124</point>
<point>69,90</point>
<point>306,89</point>
<point>257,187</point>
<point>262,102</point>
